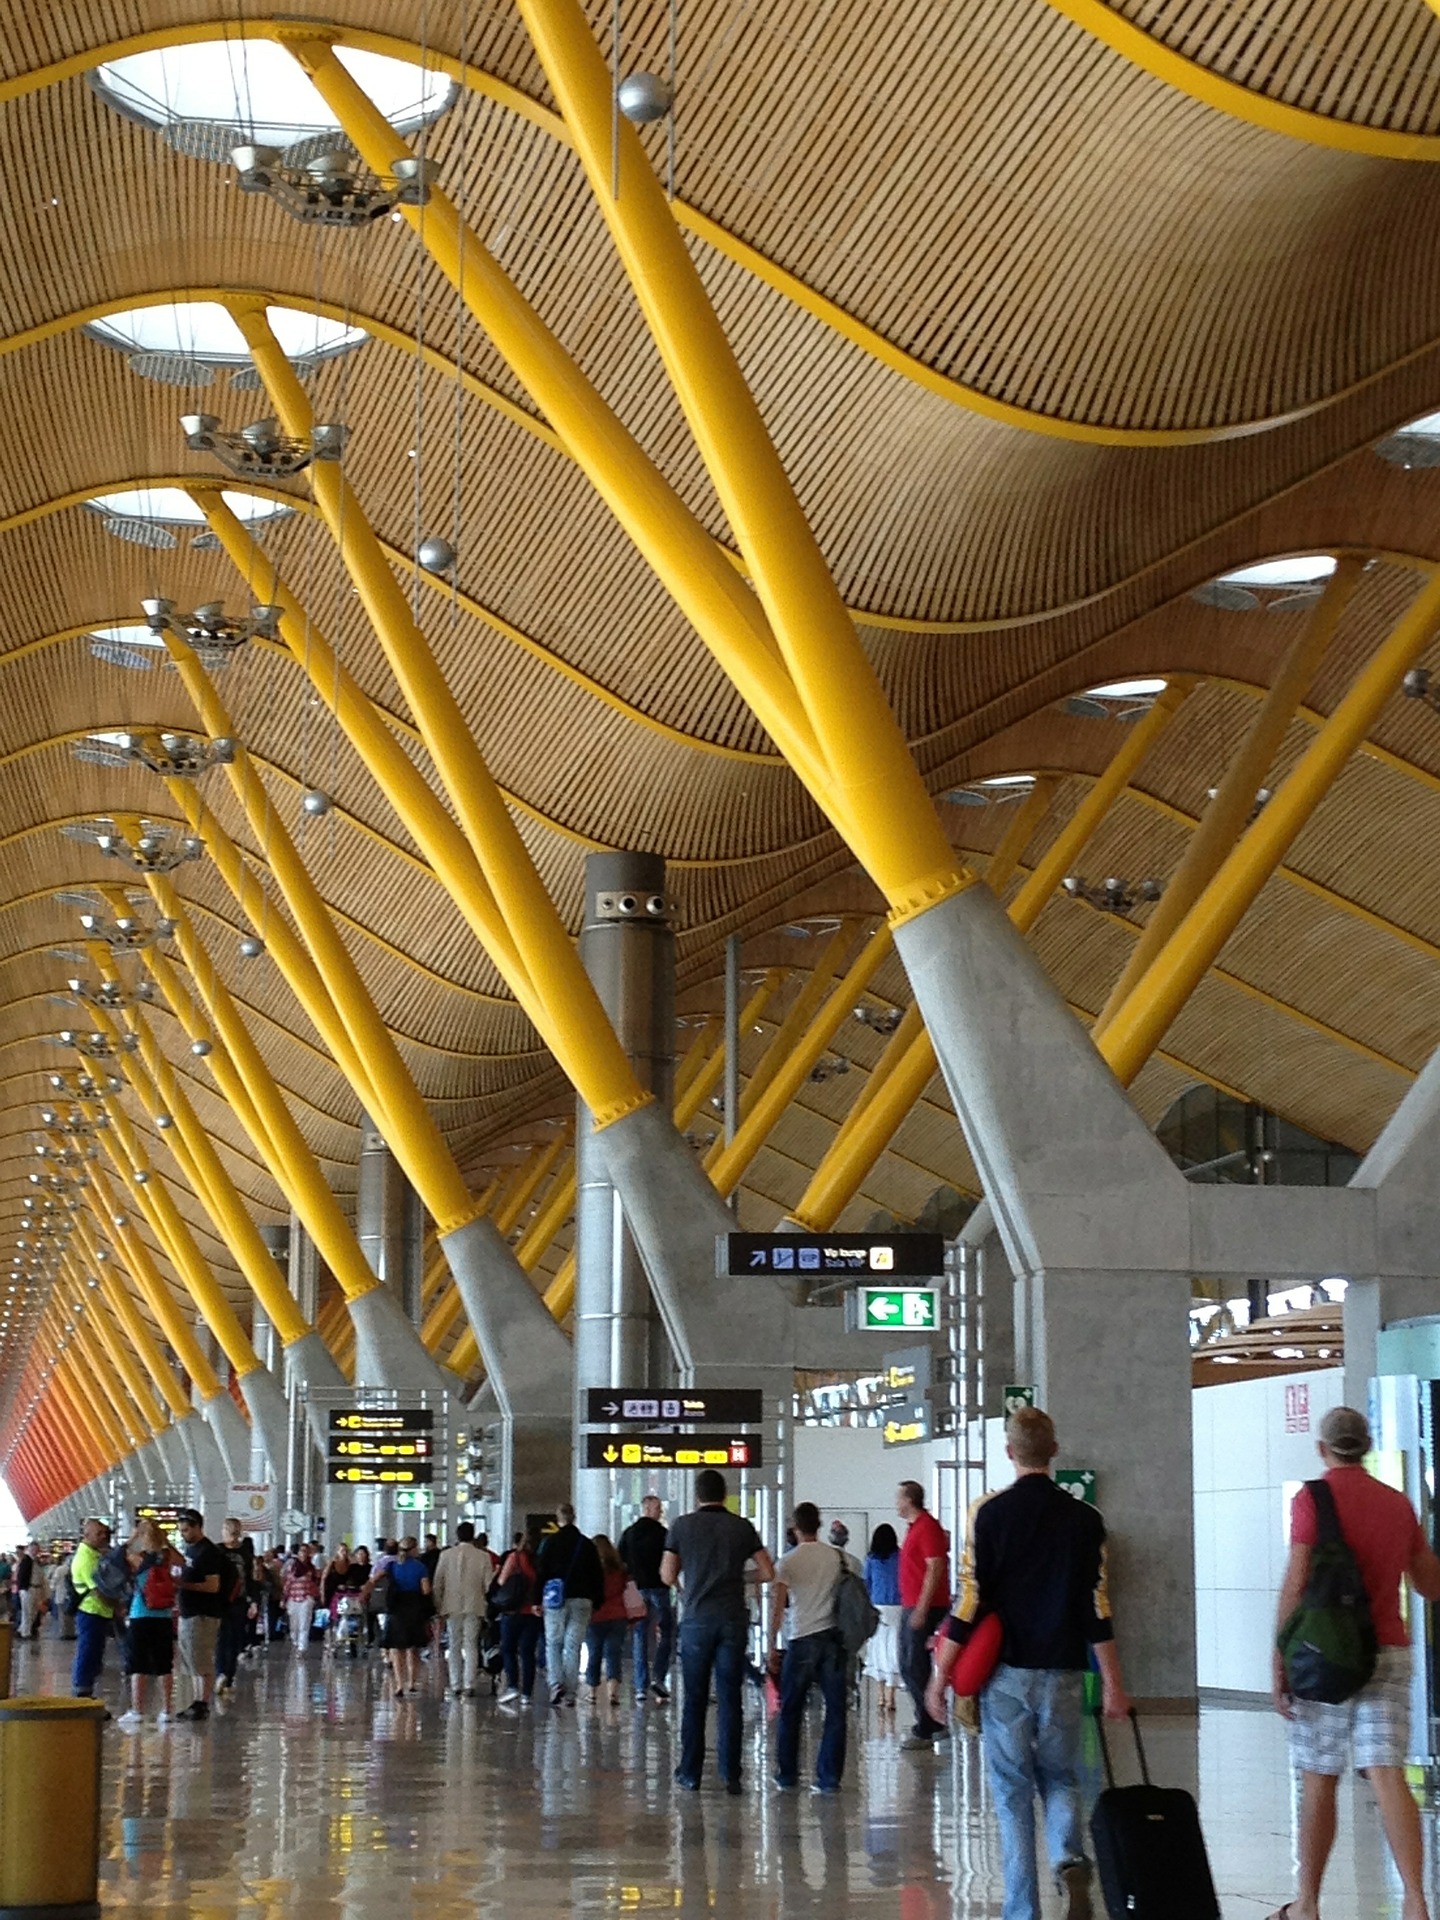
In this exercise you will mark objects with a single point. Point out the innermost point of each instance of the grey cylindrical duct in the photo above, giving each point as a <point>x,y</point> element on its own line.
<point>627,945</point>
<point>389,1221</point>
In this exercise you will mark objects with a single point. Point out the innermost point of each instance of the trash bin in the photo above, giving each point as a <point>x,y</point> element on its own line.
<point>7,1654</point>
<point>50,1808</point>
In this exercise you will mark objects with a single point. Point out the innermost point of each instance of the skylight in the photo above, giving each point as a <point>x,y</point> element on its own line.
<point>1428,424</point>
<point>204,330</point>
<point>1298,570</point>
<point>257,89</point>
<point>1126,690</point>
<point>174,507</point>
<point>136,636</point>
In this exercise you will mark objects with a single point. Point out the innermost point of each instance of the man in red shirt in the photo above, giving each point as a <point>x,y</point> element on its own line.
<point>925,1597</point>
<point>1371,1729</point>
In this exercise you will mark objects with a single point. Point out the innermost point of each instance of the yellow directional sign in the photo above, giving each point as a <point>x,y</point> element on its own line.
<point>673,1450</point>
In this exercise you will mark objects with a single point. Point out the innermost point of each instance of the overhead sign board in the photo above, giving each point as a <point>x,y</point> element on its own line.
<point>908,1371</point>
<point>644,1406</point>
<point>907,1256</point>
<point>889,1309</point>
<point>164,1517</point>
<point>414,1500</point>
<point>673,1450</point>
<point>418,1446</point>
<point>368,1473</point>
<point>361,1423</point>
<point>907,1426</point>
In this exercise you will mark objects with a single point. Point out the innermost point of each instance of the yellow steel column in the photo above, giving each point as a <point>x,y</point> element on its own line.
<point>78,1399</point>
<point>724,611</point>
<point>114,1410</point>
<point>128,1243</point>
<point>186,1258</point>
<point>405,1119</point>
<point>798,1016</point>
<point>558,1205</point>
<point>247,1083</point>
<point>1224,819</point>
<point>1024,819</point>
<point>417,1142</point>
<point>728,1166</point>
<point>125,1364</point>
<point>142,1342</point>
<point>884,810</point>
<point>1140,1025</point>
<point>1053,866</point>
<point>550,980</point>
<point>421,812</point>
<point>161,1093</point>
<point>909,1067</point>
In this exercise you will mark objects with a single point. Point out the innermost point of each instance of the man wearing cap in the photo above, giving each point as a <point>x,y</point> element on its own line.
<point>1371,1729</point>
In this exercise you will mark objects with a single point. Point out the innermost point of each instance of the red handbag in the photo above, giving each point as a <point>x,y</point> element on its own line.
<point>979,1657</point>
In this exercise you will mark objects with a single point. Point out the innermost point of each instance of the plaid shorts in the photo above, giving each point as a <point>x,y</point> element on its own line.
<point>1371,1729</point>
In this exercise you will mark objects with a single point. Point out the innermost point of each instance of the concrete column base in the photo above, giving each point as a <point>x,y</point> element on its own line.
<point>527,1356</point>
<point>232,1436</point>
<point>388,1350</point>
<point>270,1418</point>
<point>170,1443</point>
<point>1109,1356</point>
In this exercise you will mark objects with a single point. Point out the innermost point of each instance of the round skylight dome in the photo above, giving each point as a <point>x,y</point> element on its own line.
<point>203,330</point>
<point>254,88</point>
<point>174,507</point>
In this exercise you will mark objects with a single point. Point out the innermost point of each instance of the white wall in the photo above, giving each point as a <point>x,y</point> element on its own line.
<point>1243,1459</point>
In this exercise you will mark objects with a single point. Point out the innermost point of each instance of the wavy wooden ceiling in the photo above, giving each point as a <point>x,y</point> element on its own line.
<point>1088,342</point>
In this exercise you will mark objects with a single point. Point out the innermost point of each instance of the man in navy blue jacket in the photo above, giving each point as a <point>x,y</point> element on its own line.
<point>1036,1557</point>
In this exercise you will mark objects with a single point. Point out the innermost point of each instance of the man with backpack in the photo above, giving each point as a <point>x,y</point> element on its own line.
<point>807,1583</point>
<point>572,1585</point>
<point>95,1611</point>
<point>1036,1557</point>
<point>1350,1516</point>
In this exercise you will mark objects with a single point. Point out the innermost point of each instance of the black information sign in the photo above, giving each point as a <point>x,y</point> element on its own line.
<point>673,1450</point>
<point>874,1256</point>
<point>366,1473</point>
<point>649,1407</point>
<point>378,1423</point>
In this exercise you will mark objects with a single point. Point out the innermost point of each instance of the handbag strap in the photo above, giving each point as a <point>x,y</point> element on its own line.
<point>1327,1515</point>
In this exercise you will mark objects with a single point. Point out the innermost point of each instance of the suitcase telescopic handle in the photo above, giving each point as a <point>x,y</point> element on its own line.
<point>1139,1748</point>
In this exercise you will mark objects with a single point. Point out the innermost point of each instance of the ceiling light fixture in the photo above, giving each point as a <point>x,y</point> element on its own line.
<point>261,451</point>
<point>1112,895</point>
<point>331,189</point>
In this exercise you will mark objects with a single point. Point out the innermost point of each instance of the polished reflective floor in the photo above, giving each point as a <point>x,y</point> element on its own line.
<point>310,1792</point>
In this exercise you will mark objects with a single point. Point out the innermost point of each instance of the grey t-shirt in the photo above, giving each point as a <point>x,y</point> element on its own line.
<point>811,1575</point>
<point>713,1545</point>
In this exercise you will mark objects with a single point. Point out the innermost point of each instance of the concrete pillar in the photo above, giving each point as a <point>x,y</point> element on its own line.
<point>1402,1170</point>
<point>170,1442</point>
<point>627,947</point>
<point>1095,1222</point>
<point>389,1221</point>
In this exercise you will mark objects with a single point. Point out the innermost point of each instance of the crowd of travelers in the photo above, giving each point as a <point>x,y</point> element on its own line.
<point>1014,1638</point>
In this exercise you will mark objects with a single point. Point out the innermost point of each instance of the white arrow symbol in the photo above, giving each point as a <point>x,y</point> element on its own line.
<point>611,1407</point>
<point>884,1309</point>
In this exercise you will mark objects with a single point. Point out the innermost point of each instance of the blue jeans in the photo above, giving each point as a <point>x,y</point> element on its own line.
<point>564,1636</point>
<point>1031,1724</point>
<point>519,1636</point>
<point>604,1644</point>
<point>711,1645</point>
<point>815,1660</point>
<point>92,1631</point>
<point>658,1627</point>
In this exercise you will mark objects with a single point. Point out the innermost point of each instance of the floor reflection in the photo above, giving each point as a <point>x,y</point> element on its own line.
<point>309,1792</point>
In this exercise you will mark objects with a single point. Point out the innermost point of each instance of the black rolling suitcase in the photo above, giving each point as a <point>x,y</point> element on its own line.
<point>1149,1848</point>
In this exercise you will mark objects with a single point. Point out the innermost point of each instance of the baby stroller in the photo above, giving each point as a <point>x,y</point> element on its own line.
<point>347,1624</point>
